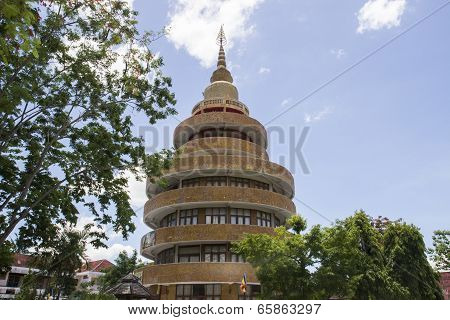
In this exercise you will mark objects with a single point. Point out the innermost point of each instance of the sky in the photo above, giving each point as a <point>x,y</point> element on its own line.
<point>374,97</point>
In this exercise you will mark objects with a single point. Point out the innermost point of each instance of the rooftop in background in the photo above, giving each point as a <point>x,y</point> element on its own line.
<point>97,266</point>
<point>21,260</point>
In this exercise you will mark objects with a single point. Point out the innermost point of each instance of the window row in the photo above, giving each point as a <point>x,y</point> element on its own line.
<point>218,109</point>
<point>212,291</point>
<point>204,253</point>
<point>222,181</point>
<point>219,215</point>
<point>199,291</point>
<point>222,132</point>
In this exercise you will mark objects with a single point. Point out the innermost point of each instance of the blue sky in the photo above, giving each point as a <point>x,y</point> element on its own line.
<point>379,135</point>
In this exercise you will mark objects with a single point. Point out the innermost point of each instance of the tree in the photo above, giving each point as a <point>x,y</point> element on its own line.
<point>353,263</point>
<point>61,259</point>
<point>17,22</point>
<point>67,104</point>
<point>285,262</point>
<point>85,294</point>
<point>405,255</point>
<point>124,265</point>
<point>6,256</point>
<point>28,288</point>
<point>356,258</point>
<point>440,253</point>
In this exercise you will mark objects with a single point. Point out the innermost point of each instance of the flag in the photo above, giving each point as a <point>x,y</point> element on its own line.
<point>244,283</point>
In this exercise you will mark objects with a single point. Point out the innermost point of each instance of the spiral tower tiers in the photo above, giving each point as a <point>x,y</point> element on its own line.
<point>221,187</point>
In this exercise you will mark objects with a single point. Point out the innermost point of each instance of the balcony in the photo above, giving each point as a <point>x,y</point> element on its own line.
<point>245,165</point>
<point>220,102</point>
<point>225,272</point>
<point>153,241</point>
<point>251,198</point>
<point>231,165</point>
<point>239,122</point>
<point>222,146</point>
<point>148,240</point>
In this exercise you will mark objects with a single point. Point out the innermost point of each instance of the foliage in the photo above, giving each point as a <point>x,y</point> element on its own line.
<point>61,260</point>
<point>7,250</point>
<point>284,262</point>
<point>69,91</point>
<point>85,294</point>
<point>440,253</point>
<point>18,21</point>
<point>297,224</point>
<point>124,265</point>
<point>356,258</point>
<point>28,288</point>
<point>353,264</point>
<point>405,254</point>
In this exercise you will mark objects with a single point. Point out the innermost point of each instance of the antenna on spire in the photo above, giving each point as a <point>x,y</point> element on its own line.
<point>221,39</point>
<point>221,63</point>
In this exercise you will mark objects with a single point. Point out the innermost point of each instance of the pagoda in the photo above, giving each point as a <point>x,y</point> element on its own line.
<point>221,186</point>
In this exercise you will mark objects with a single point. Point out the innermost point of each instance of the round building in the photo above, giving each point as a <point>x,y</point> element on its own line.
<point>221,187</point>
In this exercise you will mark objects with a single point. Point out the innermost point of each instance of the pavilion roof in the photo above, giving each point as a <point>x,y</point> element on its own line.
<point>130,287</point>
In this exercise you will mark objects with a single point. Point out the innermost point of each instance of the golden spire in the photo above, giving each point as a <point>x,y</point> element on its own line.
<point>221,74</point>
<point>221,41</point>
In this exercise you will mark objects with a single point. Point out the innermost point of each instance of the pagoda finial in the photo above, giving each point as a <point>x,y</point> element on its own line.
<point>221,39</point>
<point>221,73</point>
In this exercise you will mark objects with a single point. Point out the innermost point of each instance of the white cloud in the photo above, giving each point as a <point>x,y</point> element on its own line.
<point>84,220</point>
<point>194,25</point>
<point>136,190</point>
<point>138,198</point>
<point>377,14</point>
<point>263,70</point>
<point>317,116</point>
<point>109,253</point>
<point>122,55</point>
<point>338,53</point>
<point>285,102</point>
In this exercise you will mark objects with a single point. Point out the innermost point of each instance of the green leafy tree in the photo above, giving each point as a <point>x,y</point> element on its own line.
<point>18,20</point>
<point>60,260</point>
<point>28,288</point>
<point>84,293</point>
<point>124,265</point>
<point>440,253</point>
<point>67,104</point>
<point>356,258</point>
<point>285,262</point>
<point>6,256</point>
<point>406,258</point>
<point>353,265</point>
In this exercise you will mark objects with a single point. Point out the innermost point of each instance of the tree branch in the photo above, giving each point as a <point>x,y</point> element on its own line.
<point>22,215</point>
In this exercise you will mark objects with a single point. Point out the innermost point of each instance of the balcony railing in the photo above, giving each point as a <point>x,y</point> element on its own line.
<point>148,240</point>
<point>205,103</point>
